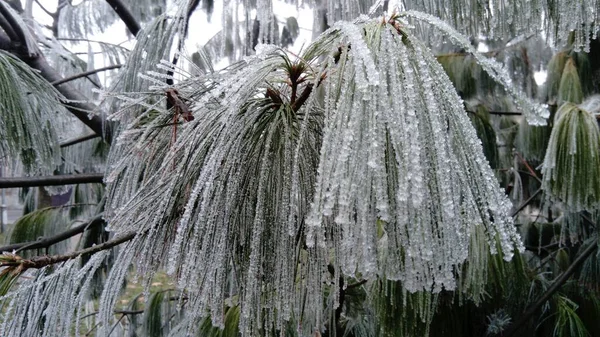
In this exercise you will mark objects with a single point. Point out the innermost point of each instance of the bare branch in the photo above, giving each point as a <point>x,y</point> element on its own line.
<point>51,180</point>
<point>524,317</point>
<point>78,140</point>
<point>16,5</point>
<point>501,113</point>
<point>526,202</point>
<point>46,242</point>
<point>85,74</point>
<point>191,8</point>
<point>38,262</point>
<point>125,14</point>
<point>19,37</point>
<point>12,35</point>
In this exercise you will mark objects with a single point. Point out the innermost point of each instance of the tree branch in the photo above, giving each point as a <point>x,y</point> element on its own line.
<point>5,25</point>
<point>45,260</point>
<point>503,113</point>
<point>85,74</point>
<point>125,14</point>
<point>523,318</point>
<point>77,101</point>
<point>46,242</point>
<point>191,8</point>
<point>526,202</point>
<point>16,5</point>
<point>19,37</point>
<point>51,180</point>
<point>355,285</point>
<point>78,140</point>
<point>303,97</point>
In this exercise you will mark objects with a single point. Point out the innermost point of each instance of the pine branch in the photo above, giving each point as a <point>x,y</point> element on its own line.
<point>38,262</point>
<point>126,16</point>
<point>77,102</point>
<point>85,74</point>
<point>191,9</point>
<point>51,180</point>
<point>564,277</point>
<point>48,241</point>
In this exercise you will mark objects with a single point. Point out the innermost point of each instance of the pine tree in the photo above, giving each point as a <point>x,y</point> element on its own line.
<point>387,180</point>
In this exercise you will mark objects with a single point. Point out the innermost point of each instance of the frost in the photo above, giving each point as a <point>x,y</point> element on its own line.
<point>253,195</point>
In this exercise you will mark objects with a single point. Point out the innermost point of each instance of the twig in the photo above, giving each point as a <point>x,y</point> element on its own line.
<point>85,74</point>
<point>504,113</point>
<point>527,166</point>
<point>129,312</point>
<point>355,285</point>
<point>51,180</point>
<point>526,202</point>
<point>76,100</point>
<point>116,324</point>
<point>46,242</point>
<point>38,262</point>
<point>78,140</point>
<point>524,317</point>
<point>89,333</point>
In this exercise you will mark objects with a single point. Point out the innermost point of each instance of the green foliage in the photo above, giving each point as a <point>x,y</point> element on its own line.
<point>37,224</point>
<point>29,109</point>
<point>400,313</point>
<point>532,141</point>
<point>554,75</point>
<point>230,325</point>
<point>571,169</point>
<point>8,275</point>
<point>569,89</point>
<point>153,320</point>
<point>253,150</point>
<point>568,323</point>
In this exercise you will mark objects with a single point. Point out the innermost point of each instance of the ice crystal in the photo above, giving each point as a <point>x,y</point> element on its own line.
<point>535,113</point>
<point>55,298</point>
